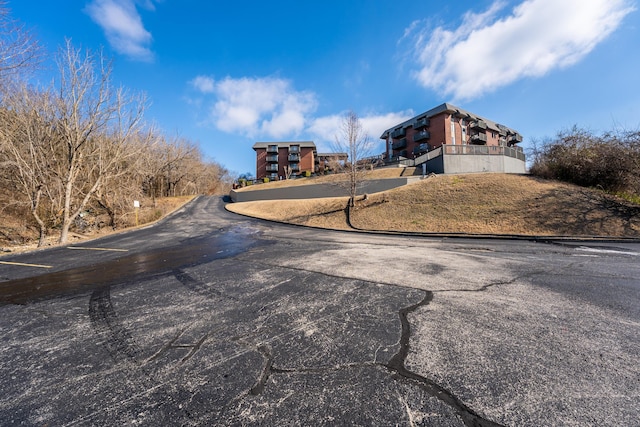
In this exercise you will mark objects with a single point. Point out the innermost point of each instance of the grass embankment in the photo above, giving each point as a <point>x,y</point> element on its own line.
<point>473,203</point>
<point>374,174</point>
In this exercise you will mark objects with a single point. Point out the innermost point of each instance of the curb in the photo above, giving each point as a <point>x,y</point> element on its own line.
<point>522,237</point>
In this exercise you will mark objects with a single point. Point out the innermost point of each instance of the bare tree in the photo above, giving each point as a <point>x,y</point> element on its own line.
<point>96,124</point>
<point>180,158</point>
<point>26,133</point>
<point>288,171</point>
<point>121,185</point>
<point>354,141</point>
<point>165,164</point>
<point>19,50</point>
<point>213,178</point>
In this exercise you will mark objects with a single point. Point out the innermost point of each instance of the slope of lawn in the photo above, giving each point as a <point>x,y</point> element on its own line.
<point>472,203</point>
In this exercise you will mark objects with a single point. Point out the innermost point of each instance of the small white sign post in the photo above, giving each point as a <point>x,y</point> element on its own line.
<point>136,205</point>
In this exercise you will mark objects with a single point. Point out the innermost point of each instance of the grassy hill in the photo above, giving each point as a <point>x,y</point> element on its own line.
<point>472,203</point>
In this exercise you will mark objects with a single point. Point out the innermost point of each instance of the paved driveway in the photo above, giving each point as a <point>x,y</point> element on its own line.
<point>213,319</point>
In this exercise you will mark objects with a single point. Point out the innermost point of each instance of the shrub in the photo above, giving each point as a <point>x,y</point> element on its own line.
<point>610,161</point>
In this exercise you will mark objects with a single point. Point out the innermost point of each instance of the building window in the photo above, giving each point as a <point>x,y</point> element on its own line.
<point>453,131</point>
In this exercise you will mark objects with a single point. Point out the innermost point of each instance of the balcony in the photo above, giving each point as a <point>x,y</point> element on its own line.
<point>272,168</point>
<point>295,167</point>
<point>294,157</point>
<point>514,139</point>
<point>421,123</point>
<point>294,149</point>
<point>421,136</point>
<point>272,149</point>
<point>399,133</point>
<point>272,158</point>
<point>400,144</point>
<point>480,138</point>
<point>422,148</point>
<point>478,125</point>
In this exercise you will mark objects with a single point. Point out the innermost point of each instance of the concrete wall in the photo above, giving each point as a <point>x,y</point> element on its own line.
<point>470,163</point>
<point>435,165</point>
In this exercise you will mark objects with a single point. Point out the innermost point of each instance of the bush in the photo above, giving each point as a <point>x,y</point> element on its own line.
<point>610,161</point>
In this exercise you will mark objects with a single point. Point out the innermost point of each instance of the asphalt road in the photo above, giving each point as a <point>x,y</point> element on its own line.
<point>209,318</point>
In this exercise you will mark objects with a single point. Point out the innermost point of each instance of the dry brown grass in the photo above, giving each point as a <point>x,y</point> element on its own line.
<point>326,213</point>
<point>392,172</point>
<point>17,235</point>
<point>473,203</point>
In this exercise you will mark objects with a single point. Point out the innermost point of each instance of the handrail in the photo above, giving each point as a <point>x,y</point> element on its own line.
<point>491,150</point>
<point>484,150</point>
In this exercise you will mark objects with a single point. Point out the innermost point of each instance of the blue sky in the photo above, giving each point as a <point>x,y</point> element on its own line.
<point>226,74</point>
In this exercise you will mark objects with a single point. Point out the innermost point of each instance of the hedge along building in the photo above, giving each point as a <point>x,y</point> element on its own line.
<point>433,137</point>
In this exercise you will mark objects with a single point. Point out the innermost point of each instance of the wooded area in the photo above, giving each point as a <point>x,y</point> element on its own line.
<point>80,145</point>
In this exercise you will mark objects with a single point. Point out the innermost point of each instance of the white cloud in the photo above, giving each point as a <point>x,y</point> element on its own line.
<point>270,108</point>
<point>257,107</point>
<point>203,84</point>
<point>487,51</point>
<point>324,130</point>
<point>123,26</point>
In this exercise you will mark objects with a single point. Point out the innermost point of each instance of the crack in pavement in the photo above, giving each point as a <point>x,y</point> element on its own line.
<point>266,370</point>
<point>484,287</point>
<point>397,364</point>
<point>120,344</point>
<point>171,345</point>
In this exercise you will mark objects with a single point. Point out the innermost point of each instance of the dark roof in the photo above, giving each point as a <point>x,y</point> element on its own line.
<point>451,109</point>
<point>285,144</point>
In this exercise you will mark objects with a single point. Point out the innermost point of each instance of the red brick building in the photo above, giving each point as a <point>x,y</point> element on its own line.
<point>274,159</point>
<point>445,124</point>
<point>330,162</point>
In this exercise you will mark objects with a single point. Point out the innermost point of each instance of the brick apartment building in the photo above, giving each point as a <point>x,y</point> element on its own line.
<point>445,124</point>
<point>330,162</point>
<point>272,158</point>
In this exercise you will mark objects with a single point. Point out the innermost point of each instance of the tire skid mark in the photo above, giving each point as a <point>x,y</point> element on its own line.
<point>115,337</point>
<point>198,286</point>
<point>123,349</point>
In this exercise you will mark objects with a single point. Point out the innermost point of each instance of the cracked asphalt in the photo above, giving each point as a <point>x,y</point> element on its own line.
<point>209,318</point>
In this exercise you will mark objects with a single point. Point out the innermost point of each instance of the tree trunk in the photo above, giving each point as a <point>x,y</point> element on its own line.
<point>104,204</point>
<point>66,212</point>
<point>34,213</point>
